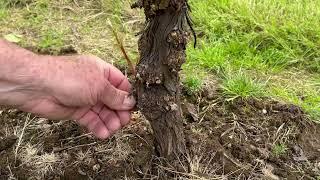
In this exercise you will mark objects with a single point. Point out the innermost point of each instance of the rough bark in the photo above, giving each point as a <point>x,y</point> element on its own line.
<point>162,52</point>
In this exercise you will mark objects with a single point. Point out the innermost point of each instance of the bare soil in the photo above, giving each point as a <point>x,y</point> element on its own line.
<point>243,139</point>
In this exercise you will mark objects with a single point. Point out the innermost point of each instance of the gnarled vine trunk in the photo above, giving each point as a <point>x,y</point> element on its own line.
<point>162,52</point>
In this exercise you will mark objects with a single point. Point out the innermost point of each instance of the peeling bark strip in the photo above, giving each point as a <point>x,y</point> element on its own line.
<point>162,52</point>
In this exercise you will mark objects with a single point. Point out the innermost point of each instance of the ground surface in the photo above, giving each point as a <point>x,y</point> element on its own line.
<point>252,90</point>
<point>244,139</point>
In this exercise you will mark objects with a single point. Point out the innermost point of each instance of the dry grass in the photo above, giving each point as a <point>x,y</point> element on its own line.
<point>40,165</point>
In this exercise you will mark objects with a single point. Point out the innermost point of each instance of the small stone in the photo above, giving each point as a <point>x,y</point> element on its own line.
<point>264,111</point>
<point>268,172</point>
<point>96,167</point>
<point>173,106</point>
<point>81,172</point>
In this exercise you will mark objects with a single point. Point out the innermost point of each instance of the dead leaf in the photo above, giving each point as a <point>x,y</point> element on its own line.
<point>14,38</point>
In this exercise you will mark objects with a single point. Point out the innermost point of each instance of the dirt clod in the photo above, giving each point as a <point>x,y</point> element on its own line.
<point>7,142</point>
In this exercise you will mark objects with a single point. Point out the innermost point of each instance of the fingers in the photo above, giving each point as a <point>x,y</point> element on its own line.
<point>113,120</point>
<point>117,99</point>
<point>105,123</point>
<point>93,123</point>
<point>117,79</point>
<point>124,117</point>
<point>115,94</point>
<point>112,113</point>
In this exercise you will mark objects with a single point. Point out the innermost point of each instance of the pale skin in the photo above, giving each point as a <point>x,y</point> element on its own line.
<point>84,88</point>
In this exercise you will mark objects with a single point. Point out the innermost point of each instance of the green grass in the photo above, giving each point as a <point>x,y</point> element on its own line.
<point>3,13</point>
<point>241,85</point>
<point>308,99</point>
<point>274,42</point>
<point>51,39</point>
<point>192,84</point>
<point>279,149</point>
<point>289,30</point>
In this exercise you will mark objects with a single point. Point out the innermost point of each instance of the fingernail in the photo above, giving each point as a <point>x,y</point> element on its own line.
<point>129,101</point>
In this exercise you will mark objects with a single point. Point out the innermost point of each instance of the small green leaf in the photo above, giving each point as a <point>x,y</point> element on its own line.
<point>13,38</point>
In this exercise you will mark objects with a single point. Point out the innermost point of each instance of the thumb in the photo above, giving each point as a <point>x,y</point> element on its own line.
<point>117,99</point>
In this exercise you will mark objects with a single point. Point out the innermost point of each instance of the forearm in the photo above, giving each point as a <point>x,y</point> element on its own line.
<point>20,69</point>
<point>17,64</point>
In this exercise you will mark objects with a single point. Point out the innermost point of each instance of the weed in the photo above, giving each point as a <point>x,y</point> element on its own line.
<point>240,85</point>
<point>209,56</point>
<point>279,149</point>
<point>52,40</point>
<point>193,84</point>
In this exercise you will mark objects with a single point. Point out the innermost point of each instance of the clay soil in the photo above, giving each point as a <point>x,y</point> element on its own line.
<point>243,139</point>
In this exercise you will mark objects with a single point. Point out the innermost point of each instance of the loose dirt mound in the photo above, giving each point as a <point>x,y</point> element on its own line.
<point>256,139</point>
<point>244,139</point>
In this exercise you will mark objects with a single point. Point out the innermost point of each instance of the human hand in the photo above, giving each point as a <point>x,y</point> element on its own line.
<point>84,88</point>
